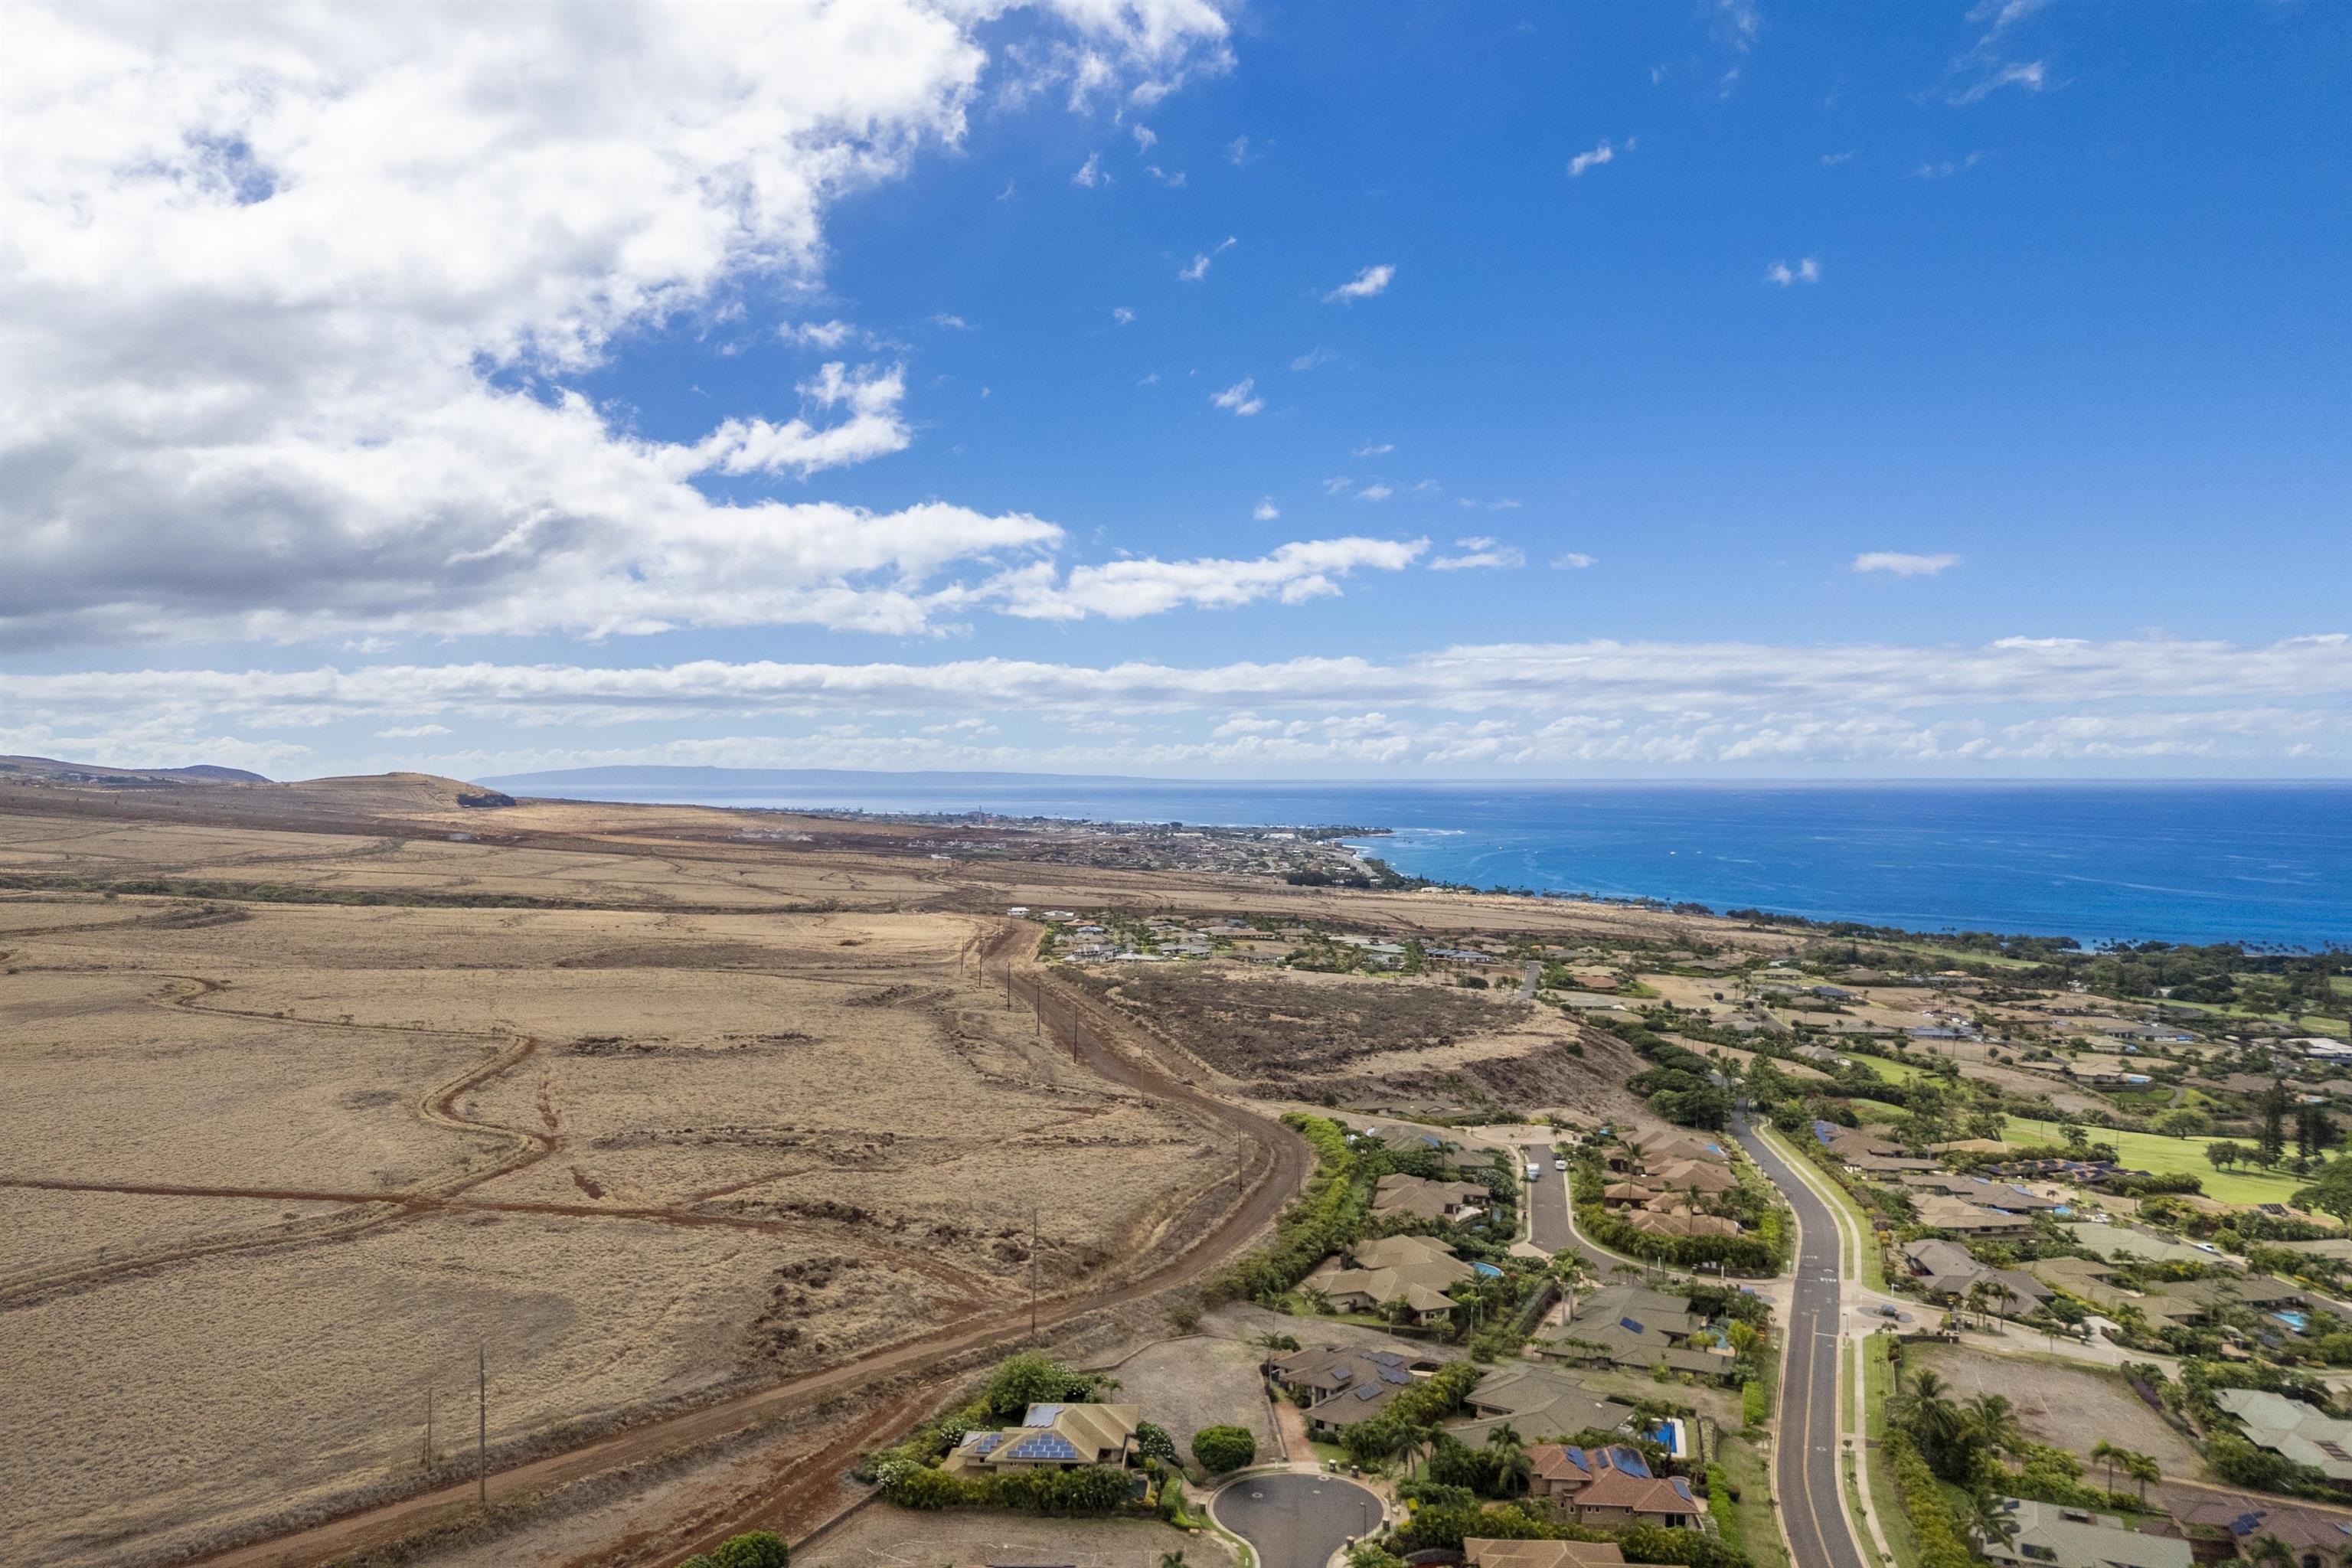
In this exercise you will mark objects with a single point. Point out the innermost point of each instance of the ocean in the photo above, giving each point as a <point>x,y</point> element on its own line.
<point>2260,863</point>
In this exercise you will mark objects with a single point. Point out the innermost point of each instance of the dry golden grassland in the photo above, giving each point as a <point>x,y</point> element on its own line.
<point>311,1157</point>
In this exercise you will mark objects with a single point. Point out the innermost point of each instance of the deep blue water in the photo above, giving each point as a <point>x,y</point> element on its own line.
<point>2251,863</point>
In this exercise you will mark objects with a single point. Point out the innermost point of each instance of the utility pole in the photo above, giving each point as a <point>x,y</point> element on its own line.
<point>1032,1274</point>
<point>482,1430</point>
<point>428,1424</point>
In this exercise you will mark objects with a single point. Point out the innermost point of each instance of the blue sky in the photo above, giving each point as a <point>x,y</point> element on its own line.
<point>1724,390</point>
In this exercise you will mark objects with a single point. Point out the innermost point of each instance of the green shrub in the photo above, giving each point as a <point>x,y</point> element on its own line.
<point>1154,1443</point>
<point>1755,1403</point>
<point>1030,1378</point>
<point>1941,1545</point>
<point>1719,1506</point>
<point>1223,1448</point>
<point>754,1549</point>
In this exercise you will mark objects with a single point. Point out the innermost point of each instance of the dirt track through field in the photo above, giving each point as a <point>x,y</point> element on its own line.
<point>1277,1170</point>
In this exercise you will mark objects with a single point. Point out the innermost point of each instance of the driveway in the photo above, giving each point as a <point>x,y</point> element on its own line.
<point>1296,1521</point>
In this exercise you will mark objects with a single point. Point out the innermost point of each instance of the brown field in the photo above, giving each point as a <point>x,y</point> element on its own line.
<point>1341,1038</point>
<point>688,1118</point>
<point>645,1158</point>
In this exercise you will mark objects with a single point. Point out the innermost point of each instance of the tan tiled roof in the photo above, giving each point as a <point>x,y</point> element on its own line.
<point>1483,1553</point>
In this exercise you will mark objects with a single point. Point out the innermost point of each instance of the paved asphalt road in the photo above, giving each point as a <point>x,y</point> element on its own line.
<point>1546,1200</point>
<point>1808,1456</point>
<point>1296,1520</point>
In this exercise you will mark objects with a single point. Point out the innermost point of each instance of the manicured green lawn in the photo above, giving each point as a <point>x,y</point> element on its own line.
<point>1892,1071</point>
<point>2152,1151</point>
<point>1743,1465</point>
<point>1876,1109</point>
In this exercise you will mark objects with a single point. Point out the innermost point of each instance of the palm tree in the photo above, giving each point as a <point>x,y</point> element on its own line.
<point>2103,1449</point>
<point>1990,1520</point>
<point>1317,1301</point>
<point>2142,1467</point>
<point>1994,1421</point>
<point>1513,1467</point>
<point>1172,1559</point>
<point>2270,1551</point>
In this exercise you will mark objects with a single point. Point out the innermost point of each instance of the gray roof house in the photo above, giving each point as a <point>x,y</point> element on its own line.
<point>2300,1432</point>
<point>2076,1538</point>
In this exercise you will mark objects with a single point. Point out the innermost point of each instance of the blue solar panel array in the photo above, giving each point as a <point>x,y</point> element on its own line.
<point>1369,1391</point>
<point>1396,1375</point>
<point>1044,1446</point>
<point>983,1442</point>
<point>1043,1416</point>
<point>1630,1324</point>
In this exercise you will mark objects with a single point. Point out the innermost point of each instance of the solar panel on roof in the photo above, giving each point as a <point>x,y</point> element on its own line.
<point>1630,1323</point>
<point>983,1442</point>
<point>1042,1415</point>
<point>1342,1374</point>
<point>1395,1375</point>
<point>1044,1446</point>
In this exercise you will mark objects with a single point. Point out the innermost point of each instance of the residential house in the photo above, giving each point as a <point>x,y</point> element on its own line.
<point>1627,1192</point>
<point>1694,1176</point>
<point>1608,1487</point>
<point>1655,1223</point>
<point>1538,1402</point>
<point>2122,1241</point>
<point>1662,1144</point>
<point>1051,1437</point>
<point>1344,1386</point>
<point>1636,1330</point>
<point>1479,1553</point>
<point>2300,1431</point>
<point>1937,1212</point>
<point>1417,1197</point>
<point>2076,1538</point>
<point>2318,1540</point>
<point>1404,1273</point>
<point>1944,1270</point>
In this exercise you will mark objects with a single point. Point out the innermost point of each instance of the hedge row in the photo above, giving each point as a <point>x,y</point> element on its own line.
<point>1089,1489</point>
<point>1940,1543</point>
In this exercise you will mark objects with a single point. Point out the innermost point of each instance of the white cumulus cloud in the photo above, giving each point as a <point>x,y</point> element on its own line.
<point>1806,271</point>
<point>1238,398</point>
<point>1364,284</point>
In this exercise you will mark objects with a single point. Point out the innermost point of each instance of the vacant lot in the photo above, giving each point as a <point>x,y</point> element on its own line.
<point>2066,1405</point>
<point>272,1171</point>
<point>1340,1039</point>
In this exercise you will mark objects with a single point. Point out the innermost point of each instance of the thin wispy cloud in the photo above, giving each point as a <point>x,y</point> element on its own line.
<point>1237,399</point>
<point>1902,564</point>
<point>1834,160</point>
<point>1121,314</point>
<point>1266,511</point>
<point>1237,151</point>
<point>1337,485</point>
<point>1199,265</point>
<point>1374,492</point>
<point>1947,168</point>
<point>949,321</point>
<point>1988,66</point>
<point>1091,172</point>
<point>1605,152</point>
<point>1312,358</point>
<point>1570,561</point>
<point>1500,503</point>
<point>1480,553</point>
<point>1365,285</point>
<point>1375,448</point>
<point>1806,271</point>
<point>1145,138</point>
